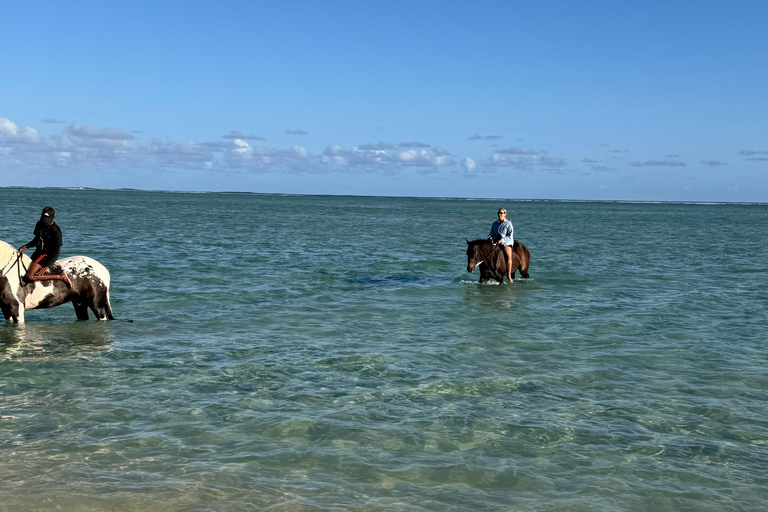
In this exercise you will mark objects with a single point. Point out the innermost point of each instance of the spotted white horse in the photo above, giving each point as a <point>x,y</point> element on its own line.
<point>90,286</point>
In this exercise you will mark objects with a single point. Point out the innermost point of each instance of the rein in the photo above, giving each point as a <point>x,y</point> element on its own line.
<point>8,267</point>
<point>493,248</point>
<point>18,261</point>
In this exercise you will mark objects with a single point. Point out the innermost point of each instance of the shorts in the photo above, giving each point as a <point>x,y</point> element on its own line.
<point>44,260</point>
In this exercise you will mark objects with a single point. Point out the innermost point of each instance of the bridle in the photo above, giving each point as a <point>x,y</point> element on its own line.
<point>18,261</point>
<point>474,262</point>
<point>477,249</point>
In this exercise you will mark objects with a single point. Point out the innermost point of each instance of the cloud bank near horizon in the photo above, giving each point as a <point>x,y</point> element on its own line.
<point>85,147</point>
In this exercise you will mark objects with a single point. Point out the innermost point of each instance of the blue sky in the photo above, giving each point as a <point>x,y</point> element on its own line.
<point>562,100</point>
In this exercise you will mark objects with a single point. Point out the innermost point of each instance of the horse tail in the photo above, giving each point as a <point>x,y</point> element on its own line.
<point>108,308</point>
<point>101,305</point>
<point>525,257</point>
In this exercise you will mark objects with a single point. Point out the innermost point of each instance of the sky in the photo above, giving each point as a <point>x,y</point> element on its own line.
<point>593,100</point>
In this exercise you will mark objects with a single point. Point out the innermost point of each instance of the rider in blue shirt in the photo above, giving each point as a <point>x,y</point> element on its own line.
<point>501,232</point>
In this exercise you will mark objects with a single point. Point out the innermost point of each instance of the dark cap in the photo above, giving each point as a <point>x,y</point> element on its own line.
<point>47,215</point>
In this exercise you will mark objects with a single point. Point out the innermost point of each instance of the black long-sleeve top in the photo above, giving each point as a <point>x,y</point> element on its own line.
<point>47,239</point>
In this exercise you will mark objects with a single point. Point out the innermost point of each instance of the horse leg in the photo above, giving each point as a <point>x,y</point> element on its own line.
<point>17,313</point>
<point>523,268</point>
<point>7,300</point>
<point>81,310</point>
<point>6,309</point>
<point>525,259</point>
<point>13,310</point>
<point>101,308</point>
<point>498,275</point>
<point>102,313</point>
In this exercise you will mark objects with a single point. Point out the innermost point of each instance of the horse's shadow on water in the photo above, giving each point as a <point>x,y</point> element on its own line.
<point>34,340</point>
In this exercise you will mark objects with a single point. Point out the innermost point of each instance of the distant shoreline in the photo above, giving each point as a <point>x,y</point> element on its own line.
<point>283,194</point>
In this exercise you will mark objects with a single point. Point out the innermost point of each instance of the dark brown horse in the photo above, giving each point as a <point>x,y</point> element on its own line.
<point>489,257</point>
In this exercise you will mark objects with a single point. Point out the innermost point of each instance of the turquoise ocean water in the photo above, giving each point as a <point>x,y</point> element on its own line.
<point>332,353</point>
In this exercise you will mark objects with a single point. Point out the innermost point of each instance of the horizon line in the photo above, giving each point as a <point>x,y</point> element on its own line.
<point>287,194</point>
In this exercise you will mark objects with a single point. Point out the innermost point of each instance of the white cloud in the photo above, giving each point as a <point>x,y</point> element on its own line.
<point>10,133</point>
<point>177,154</point>
<point>383,156</point>
<point>242,147</point>
<point>420,158</point>
<point>87,147</point>
<point>523,158</point>
<point>468,164</point>
<point>241,155</point>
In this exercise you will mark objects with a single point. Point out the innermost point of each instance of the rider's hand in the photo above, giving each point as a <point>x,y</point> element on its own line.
<point>21,249</point>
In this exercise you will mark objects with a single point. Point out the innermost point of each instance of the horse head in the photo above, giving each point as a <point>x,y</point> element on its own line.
<point>13,266</point>
<point>474,254</point>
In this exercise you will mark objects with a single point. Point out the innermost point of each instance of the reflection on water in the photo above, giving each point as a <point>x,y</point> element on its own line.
<point>496,295</point>
<point>31,340</point>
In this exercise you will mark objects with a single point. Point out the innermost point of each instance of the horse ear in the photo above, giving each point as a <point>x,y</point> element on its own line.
<point>467,239</point>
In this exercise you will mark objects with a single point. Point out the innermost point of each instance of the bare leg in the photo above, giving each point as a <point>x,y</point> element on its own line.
<point>38,273</point>
<point>508,255</point>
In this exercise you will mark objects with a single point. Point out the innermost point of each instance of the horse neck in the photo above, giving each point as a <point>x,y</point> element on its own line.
<point>7,254</point>
<point>486,248</point>
<point>11,266</point>
<point>482,249</point>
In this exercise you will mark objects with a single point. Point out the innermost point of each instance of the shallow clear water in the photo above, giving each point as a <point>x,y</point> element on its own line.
<point>332,353</point>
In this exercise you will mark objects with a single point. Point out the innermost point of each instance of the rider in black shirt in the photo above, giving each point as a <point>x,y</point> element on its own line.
<point>47,244</point>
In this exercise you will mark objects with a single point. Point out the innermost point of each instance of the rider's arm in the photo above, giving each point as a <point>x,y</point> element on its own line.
<point>494,230</point>
<point>507,232</point>
<point>36,240</point>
